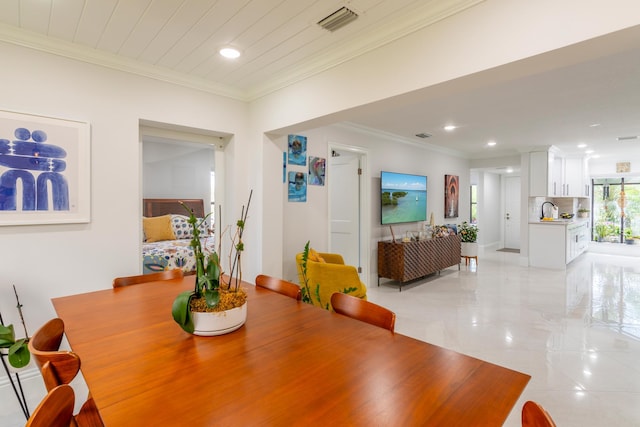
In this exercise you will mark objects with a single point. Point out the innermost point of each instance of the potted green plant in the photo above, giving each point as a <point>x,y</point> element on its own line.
<point>16,350</point>
<point>223,302</point>
<point>468,236</point>
<point>583,213</point>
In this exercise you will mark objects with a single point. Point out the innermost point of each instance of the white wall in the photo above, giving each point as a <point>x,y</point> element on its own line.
<point>47,261</point>
<point>177,171</point>
<point>307,221</point>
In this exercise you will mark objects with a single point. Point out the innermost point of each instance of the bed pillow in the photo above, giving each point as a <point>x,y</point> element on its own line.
<point>183,230</point>
<point>181,227</point>
<point>158,228</point>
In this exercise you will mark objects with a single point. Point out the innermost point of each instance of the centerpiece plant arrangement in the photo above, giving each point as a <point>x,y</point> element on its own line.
<point>211,293</point>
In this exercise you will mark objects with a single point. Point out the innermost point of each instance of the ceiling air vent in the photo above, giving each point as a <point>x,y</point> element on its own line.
<point>627,138</point>
<point>338,19</point>
<point>423,135</point>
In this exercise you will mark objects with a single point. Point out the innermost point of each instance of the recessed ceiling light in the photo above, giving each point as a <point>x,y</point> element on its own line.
<point>595,156</point>
<point>589,151</point>
<point>491,143</point>
<point>509,170</point>
<point>449,128</point>
<point>229,52</point>
<point>582,145</point>
<point>594,125</point>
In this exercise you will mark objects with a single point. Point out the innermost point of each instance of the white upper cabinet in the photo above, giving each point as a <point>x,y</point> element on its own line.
<point>576,183</point>
<point>554,175</point>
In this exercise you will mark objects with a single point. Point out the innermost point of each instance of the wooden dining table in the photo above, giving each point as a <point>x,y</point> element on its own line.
<point>291,364</point>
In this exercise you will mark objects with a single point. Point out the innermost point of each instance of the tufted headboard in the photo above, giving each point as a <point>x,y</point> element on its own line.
<point>159,207</point>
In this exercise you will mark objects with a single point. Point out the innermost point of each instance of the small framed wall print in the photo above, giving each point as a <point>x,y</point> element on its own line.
<point>297,150</point>
<point>316,170</point>
<point>44,170</point>
<point>623,167</point>
<point>297,187</point>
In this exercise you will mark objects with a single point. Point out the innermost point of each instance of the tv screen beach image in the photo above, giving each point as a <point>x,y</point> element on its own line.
<point>403,198</point>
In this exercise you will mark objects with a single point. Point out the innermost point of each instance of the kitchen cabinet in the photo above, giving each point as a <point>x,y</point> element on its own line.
<point>553,175</point>
<point>576,181</point>
<point>556,244</point>
<point>577,239</point>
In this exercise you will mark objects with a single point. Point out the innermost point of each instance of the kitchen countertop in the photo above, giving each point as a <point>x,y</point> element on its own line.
<point>561,221</point>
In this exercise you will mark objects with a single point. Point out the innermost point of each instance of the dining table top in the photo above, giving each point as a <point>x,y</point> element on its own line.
<point>290,364</point>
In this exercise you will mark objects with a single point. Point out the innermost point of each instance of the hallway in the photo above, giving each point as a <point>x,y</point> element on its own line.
<point>577,333</point>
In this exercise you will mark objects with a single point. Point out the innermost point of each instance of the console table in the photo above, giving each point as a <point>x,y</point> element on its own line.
<point>406,261</point>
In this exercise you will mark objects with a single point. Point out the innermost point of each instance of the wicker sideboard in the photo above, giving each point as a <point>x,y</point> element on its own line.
<point>412,260</point>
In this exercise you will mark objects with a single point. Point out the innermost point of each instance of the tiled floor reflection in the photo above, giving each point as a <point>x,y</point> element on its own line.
<point>576,332</point>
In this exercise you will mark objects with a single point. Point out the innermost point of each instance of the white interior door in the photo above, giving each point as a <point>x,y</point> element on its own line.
<point>344,216</point>
<point>512,212</point>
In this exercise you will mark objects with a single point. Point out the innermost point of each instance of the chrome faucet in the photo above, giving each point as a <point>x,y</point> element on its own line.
<point>542,213</point>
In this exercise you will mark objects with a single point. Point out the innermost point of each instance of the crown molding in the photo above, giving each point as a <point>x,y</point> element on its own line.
<point>76,52</point>
<point>397,138</point>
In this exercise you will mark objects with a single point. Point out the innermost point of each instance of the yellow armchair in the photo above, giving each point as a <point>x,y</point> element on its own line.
<point>327,275</point>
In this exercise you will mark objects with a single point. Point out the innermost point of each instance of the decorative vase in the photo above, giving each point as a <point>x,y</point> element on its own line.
<point>469,249</point>
<point>219,323</point>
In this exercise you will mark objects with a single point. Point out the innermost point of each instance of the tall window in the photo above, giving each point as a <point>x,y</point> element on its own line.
<point>616,209</point>
<point>474,204</point>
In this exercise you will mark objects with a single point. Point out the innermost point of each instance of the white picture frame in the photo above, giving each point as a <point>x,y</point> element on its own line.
<point>45,170</point>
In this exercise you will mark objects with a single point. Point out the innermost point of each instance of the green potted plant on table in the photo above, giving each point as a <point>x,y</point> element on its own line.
<point>214,306</point>
<point>583,213</point>
<point>469,238</point>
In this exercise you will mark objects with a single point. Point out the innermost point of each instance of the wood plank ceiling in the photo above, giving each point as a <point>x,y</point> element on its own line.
<point>178,40</point>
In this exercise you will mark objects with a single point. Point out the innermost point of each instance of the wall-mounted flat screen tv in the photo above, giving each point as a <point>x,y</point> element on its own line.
<point>403,197</point>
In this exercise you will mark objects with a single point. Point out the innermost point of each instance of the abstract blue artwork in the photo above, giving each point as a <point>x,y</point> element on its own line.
<point>44,170</point>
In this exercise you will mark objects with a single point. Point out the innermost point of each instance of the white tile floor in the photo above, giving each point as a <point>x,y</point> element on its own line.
<point>576,332</point>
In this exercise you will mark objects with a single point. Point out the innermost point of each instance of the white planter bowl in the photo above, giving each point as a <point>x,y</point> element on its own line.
<point>223,322</point>
<point>469,249</point>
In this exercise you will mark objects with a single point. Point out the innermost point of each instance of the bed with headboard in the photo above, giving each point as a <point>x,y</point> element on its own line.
<point>167,234</point>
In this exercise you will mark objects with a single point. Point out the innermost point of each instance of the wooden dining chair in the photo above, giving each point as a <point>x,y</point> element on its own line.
<point>363,310</point>
<point>60,367</point>
<point>280,286</point>
<point>176,273</point>
<point>534,415</point>
<point>55,410</point>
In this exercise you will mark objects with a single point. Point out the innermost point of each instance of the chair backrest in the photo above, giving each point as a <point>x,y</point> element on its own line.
<point>55,410</point>
<point>363,310</point>
<point>176,273</point>
<point>44,346</point>
<point>534,415</point>
<point>280,286</point>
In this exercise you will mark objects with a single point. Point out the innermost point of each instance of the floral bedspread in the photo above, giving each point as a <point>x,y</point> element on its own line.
<point>170,254</point>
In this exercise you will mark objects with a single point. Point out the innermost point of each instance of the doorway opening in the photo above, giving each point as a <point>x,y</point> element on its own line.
<point>347,181</point>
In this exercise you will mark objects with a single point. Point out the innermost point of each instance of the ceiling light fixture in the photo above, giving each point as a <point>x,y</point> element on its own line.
<point>509,170</point>
<point>229,52</point>
<point>449,128</point>
<point>491,143</point>
<point>582,145</point>
<point>589,151</point>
